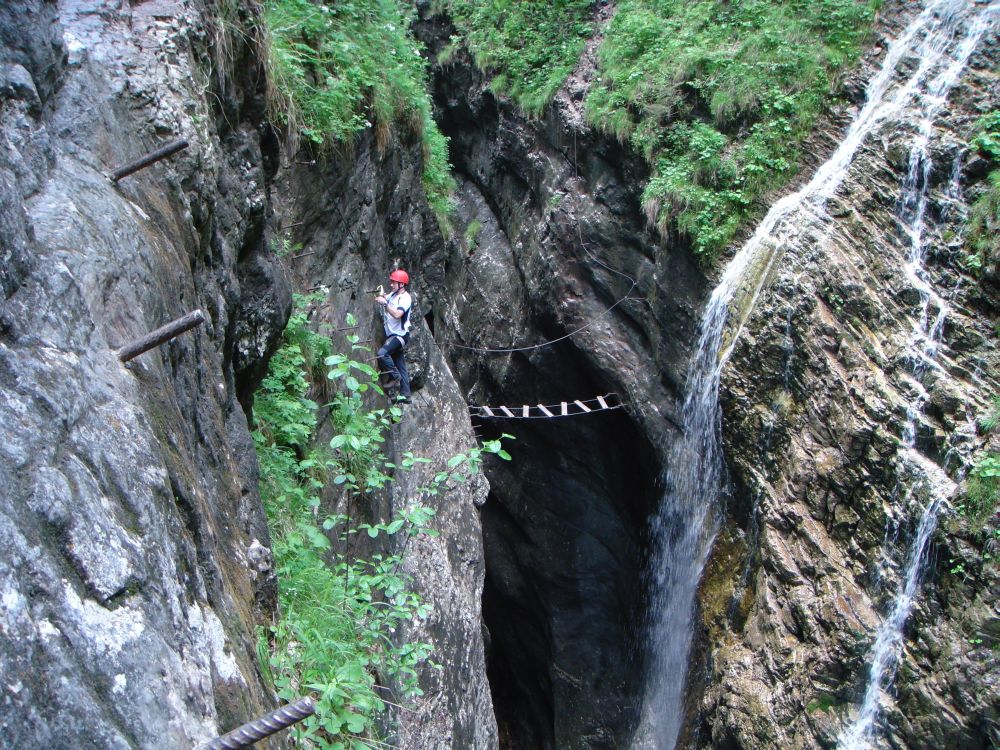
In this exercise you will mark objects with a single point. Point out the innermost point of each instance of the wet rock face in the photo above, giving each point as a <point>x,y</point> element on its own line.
<point>550,244</point>
<point>130,491</point>
<point>827,503</point>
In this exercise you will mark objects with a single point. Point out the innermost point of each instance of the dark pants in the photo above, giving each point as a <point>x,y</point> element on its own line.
<point>390,356</point>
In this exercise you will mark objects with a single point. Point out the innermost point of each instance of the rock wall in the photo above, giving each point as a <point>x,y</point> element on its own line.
<point>130,592</point>
<point>814,407</point>
<point>815,403</point>
<point>130,500</point>
<point>360,213</point>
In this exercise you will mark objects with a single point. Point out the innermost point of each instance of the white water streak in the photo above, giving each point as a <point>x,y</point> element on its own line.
<point>924,344</point>
<point>688,519</point>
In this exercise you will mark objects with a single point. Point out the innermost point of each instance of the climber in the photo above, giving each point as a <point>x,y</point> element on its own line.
<point>396,314</point>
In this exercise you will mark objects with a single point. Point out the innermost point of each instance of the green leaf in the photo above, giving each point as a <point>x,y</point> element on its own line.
<point>356,724</point>
<point>335,359</point>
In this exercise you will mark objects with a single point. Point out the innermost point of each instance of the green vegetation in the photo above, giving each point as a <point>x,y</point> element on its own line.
<point>984,489</point>
<point>472,235</point>
<point>338,68</point>
<point>719,96</point>
<point>983,231</point>
<point>284,247</point>
<point>529,47</point>
<point>982,496</point>
<point>823,703</point>
<point>339,614</point>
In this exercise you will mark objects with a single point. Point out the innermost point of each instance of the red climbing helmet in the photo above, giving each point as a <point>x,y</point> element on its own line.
<point>400,275</point>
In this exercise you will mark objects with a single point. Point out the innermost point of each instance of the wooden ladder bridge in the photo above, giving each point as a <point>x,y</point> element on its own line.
<point>607,402</point>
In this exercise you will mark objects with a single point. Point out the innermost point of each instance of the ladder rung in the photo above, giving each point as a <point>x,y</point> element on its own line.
<point>525,410</point>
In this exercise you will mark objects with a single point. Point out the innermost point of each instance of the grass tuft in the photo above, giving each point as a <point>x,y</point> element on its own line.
<point>337,69</point>
<point>719,97</point>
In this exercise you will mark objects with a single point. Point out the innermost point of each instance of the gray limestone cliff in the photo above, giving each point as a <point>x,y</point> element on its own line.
<point>129,497</point>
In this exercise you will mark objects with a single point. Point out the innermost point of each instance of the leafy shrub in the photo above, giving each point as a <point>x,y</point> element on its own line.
<point>987,138</point>
<point>340,616</point>
<point>983,494</point>
<point>983,229</point>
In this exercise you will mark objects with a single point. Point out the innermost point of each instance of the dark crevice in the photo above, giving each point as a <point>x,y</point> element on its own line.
<point>564,541</point>
<point>565,529</point>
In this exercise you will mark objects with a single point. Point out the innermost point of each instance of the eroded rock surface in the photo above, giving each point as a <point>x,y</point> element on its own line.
<point>828,497</point>
<point>130,497</point>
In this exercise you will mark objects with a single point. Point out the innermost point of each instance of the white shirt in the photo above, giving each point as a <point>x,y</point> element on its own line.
<point>400,300</point>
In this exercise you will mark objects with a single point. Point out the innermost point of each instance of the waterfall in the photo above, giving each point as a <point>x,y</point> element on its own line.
<point>688,518</point>
<point>923,348</point>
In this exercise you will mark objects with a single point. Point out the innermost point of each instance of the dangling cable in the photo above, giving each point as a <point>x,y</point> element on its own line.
<point>584,327</point>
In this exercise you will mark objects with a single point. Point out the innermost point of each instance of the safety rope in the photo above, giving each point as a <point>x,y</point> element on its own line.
<point>584,327</point>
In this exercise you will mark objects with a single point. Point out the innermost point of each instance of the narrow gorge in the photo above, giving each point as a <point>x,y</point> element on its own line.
<point>783,532</point>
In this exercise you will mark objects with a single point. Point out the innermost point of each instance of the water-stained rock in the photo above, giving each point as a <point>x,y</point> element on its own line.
<point>816,402</point>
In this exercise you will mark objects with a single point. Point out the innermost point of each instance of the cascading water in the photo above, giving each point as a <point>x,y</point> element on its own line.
<point>688,519</point>
<point>924,344</point>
